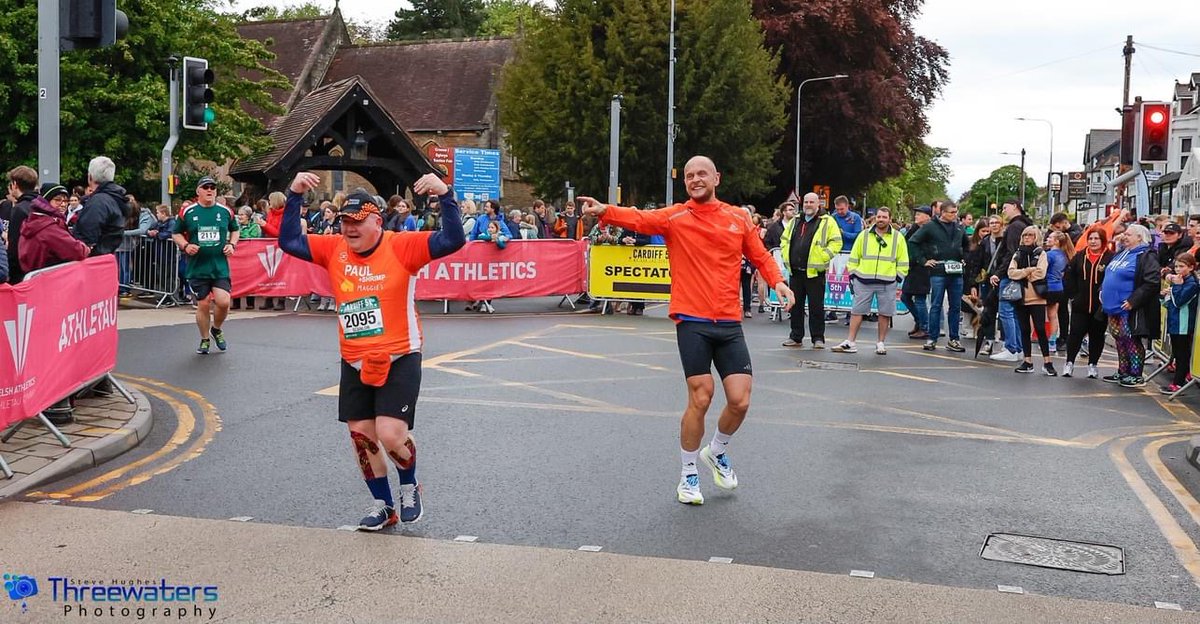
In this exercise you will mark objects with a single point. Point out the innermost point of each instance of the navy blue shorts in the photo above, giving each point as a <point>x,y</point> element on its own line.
<point>705,345</point>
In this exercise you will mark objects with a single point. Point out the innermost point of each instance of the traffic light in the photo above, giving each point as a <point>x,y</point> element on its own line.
<point>1156,123</point>
<point>196,93</point>
<point>90,24</point>
<point>1128,124</point>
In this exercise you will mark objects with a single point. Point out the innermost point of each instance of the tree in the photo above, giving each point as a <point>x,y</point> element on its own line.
<point>114,99</point>
<point>861,129</point>
<point>923,180</point>
<point>437,19</point>
<point>554,98</point>
<point>1001,184</point>
<point>505,17</point>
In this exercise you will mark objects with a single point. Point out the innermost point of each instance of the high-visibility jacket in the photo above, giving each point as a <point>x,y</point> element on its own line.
<point>879,257</point>
<point>826,243</point>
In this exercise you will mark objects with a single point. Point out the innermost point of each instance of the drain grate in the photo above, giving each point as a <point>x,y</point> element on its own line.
<point>829,366</point>
<point>1044,552</point>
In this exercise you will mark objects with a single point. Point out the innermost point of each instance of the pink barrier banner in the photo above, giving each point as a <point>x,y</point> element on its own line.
<point>60,330</point>
<point>480,270</point>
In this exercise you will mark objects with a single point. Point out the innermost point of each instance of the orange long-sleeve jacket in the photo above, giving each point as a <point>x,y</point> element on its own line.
<point>705,245</point>
<point>1107,225</point>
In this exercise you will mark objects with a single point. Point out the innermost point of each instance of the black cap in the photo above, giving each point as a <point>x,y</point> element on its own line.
<point>50,190</point>
<point>358,205</point>
<point>1172,228</point>
<point>925,209</point>
<point>206,180</point>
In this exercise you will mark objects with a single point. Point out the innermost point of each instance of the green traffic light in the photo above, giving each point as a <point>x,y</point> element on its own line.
<point>209,115</point>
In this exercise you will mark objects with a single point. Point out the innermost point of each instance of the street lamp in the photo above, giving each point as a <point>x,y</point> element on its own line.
<point>796,185</point>
<point>1049,193</point>
<point>1022,155</point>
<point>670,195</point>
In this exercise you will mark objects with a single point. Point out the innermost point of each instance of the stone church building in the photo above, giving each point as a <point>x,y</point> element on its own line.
<point>370,115</point>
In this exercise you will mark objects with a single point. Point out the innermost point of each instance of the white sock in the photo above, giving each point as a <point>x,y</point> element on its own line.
<point>689,461</point>
<point>719,442</point>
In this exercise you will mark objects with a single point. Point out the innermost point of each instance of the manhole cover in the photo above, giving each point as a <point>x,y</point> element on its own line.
<point>1052,553</point>
<point>830,366</point>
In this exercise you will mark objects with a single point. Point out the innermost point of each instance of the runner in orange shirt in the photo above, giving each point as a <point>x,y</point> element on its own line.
<point>374,276</point>
<point>706,241</point>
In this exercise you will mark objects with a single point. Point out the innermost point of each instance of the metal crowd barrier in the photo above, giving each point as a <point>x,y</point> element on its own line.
<point>150,266</point>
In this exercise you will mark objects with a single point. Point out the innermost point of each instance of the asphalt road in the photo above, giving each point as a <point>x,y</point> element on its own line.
<point>560,430</point>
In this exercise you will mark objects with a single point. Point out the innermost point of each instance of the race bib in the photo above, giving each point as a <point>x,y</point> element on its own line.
<point>208,236</point>
<point>952,267</point>
<point>361,318</point>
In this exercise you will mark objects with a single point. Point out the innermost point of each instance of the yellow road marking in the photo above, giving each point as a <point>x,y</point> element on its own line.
<point>588,356</point>
<point>1095,439</point>
<point>902,376</point>
<point>1185,548</point>
<point>1181,494</point>
<point>450,357</point>
<point>186,425</point>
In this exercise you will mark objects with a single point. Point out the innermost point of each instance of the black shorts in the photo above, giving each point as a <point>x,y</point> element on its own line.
<point>396,399</point>
<point>1054,297</point>
<point>203,286</point>
<point>703,345</point>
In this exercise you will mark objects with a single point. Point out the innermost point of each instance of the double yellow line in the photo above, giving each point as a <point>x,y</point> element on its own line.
<point>146,468</point>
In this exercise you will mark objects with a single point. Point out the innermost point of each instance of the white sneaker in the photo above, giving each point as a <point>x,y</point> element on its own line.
<point>845,347</point>
<point>723,475</point>
<point>880,348</point>
<point>688,491</point>
<point>1093,371</point>
<point>1006,356</point>
<point>1068,369</point>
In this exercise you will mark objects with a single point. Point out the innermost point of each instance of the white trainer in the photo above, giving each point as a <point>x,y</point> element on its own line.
<point>688,491</point>
<point>1004,355</point>
<point>723,475</point>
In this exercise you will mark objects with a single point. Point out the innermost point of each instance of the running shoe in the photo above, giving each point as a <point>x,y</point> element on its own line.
<point>1048,367</point>
<point>880,348</point>
<point>818,344</point>
<point>688,491</point>
<point>1113,378</point>
<point>1005,356</point>
<point>723,475</point>
<point>955,346</point>
<point>845,347</point>
<point>410,502</point>
<point>379,515</point>
<point>218,337</point>
<point>792,342</point>
<point>929,345</point>
<point>1068,369</point>
<point>1131,381</point>
<point>1093,371</point>
<point>1169,389</point>
<point>1025,367</point>
<point>203,348</point>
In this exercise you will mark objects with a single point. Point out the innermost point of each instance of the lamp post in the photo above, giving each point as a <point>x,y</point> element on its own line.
<point>1049,193</point>
<point>796,181</point>
<point>1022,190</point>
<point>671,113</point>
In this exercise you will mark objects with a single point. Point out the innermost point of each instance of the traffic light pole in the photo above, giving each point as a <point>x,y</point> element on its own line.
<point>169,148</point>
<point>48,91</point>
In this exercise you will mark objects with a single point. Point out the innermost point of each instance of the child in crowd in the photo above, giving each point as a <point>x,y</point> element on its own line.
<point>494,234</point>
<point>1181,303</point>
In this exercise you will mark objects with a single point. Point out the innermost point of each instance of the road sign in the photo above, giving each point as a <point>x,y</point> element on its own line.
<point>1097,188</point>
<point>1152,175</point>
<point>1077,185</point>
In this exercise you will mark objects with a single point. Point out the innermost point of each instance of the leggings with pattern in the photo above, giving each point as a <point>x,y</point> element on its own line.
<point>1131,352</point>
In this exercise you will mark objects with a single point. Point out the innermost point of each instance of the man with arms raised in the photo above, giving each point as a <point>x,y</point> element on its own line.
<point>374,275</point>
<point>706,240</point>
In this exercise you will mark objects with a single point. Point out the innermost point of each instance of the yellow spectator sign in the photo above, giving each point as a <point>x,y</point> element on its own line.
<point>627,272</point>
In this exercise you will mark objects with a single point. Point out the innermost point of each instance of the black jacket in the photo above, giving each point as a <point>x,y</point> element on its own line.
<point>1008,246</point>
<point>20,211</point>
<point>774,235</point>
<point>1167,253</point>
<point>101,223</point>
<point>1082,281</point>
<point>937,241</point>
<point>1144,307</point>
<point>917,280</point>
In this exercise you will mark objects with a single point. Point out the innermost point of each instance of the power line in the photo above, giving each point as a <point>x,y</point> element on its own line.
<point>1061,60</point>
<point>1146,45</point>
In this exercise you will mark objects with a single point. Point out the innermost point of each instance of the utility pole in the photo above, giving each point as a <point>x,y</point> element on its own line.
<point>1128,52</point>
<point>671,114</point>
<point>1023,177</point>
<point>614,146</point>
<point>48,91</point>
<point>173,124</point>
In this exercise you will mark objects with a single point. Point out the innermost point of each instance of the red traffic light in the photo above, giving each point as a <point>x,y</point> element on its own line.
<point>1157,117</point>
<point>1154,135</point>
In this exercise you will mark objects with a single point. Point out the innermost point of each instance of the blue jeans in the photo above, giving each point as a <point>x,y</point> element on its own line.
<point>1008,322</point>
<point>941,287</point>
<point>124,271</point>
<point>919,307</point>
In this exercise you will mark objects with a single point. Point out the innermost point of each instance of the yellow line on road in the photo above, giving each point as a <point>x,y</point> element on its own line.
<point>1181,494</point>
<point>1095,439</point>
<point>902,376</point>
<point>446,358</point>
<point>1185,548</point>
<point>588,356</point>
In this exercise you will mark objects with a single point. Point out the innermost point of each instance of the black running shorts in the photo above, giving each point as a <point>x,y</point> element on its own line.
<point>703,345</point>
<point>203,286</point>
<point>396,399</point>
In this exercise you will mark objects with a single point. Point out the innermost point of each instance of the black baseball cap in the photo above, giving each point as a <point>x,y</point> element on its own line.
<point>206,181</point>
<point>925,209</point>
<point>359,205</point>
<point>1172,228</point>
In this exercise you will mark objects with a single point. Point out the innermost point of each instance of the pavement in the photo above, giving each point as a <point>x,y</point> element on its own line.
<point>544,431</point>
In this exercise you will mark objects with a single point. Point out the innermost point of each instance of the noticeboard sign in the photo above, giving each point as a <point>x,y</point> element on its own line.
<point>476,173</point>
<point>1077,185</point>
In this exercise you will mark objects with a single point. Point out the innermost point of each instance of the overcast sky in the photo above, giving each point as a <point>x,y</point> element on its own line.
<point>1052,59</point>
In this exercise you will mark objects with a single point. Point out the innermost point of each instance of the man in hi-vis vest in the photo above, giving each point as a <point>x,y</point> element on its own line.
<point>878,260</point>
<point>809,242</point>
